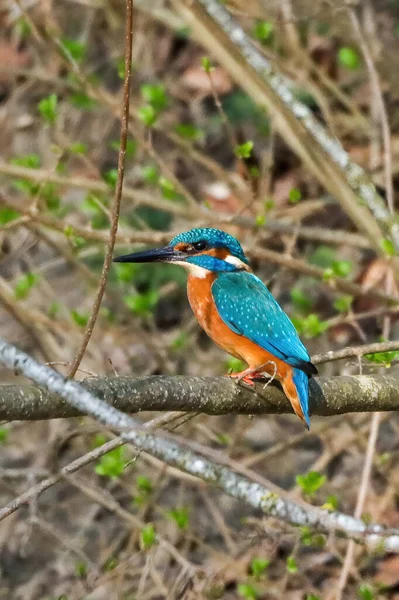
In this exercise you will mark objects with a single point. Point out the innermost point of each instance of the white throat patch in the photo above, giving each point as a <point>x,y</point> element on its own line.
<point>194,270</point>
<point>233,260</point>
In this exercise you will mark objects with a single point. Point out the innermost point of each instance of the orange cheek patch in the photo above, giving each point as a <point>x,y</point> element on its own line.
<point>221,253</point>
<point>181,246</point>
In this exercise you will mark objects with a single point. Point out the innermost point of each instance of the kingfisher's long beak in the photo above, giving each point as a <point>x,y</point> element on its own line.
<point>166,254</point>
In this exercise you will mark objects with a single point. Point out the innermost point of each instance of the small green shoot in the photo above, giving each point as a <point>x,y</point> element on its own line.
<point>154,94</point>
<point>311,482</point>
<point>294,195</point>
<point>388,247</point>
<point>148,536</point>
<point>147,114</point>
<point>48,109</point>
<point>8,214</point>
<point>343,303</point>
<point>349,58</point>
<point>247,591</point>
<point>111,464</point>
<point>3,435</point>
<point>258,566</point>
<point>365,592</point>
<point>206,64</point>
<point>292,567</point>
<point>73,49</point>
<point>180,516</point>
<point>244,150</point>
<point>81,319</point>
<point>25,284</point>
<point>263,31</point>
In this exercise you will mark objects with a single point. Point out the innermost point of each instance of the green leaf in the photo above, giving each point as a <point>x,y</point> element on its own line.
<point>312,597</point>
<point>111,177</point>
<point>168,189</point>
<point>8,214</point>
<point>155,95</point>
<point>73,49</point>
<point>365,592</point>
<point>180,341</point>
<point>388,247</point>
<point>78,148</point>
<point>81,570</point>
<point>258,566</point>
<point>341,268</point>
<point>300,299</point>
<point>180,516</point>
<point>3,435</point>
<point>206,64</point>
<point>311,482</point>
<point>48,109</point>
<point>25,284</point>
<point>148,115</point>
<point>349,58</point>
<point>82,101</point>
<point>80,318</point>
<point>260,220</point>
<point>322,257</point>
<point>248,591</point>
<point>148,536</point>
<point>294,195</point>
<point>23,28</point>
<point>382,358</point>
<point>310,326</point>
<point>144,484</point>
<point>150,174</point>
<point>291,565</point>
<point>263,31</point>
<point>111,464</point>
<point>234,364</point>
<point>343,303</point>
<point>125,272</point>
<point>142,304</point>
<point>189,132</point>
<point>76,240</point>
<point>244,150</point>
<point>331,503</point>
<point>54,309</point>
<point>30,161</point>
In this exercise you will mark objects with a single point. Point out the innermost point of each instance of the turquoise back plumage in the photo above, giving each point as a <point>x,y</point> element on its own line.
<point>246,306</point>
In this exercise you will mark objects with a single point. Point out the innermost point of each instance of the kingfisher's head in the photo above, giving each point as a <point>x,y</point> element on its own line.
<point>200,251</point>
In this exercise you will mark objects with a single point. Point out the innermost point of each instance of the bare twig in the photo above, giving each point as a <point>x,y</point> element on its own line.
<point>214,27</point>
<point>118,191</point>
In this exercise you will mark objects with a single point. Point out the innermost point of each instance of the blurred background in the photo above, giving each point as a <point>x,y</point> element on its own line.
<point>200,152</point>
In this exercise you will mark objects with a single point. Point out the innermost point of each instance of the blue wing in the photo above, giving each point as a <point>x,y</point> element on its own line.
<point>246,306</point>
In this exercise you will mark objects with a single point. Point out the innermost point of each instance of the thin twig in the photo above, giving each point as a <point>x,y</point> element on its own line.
<point>118,191</point>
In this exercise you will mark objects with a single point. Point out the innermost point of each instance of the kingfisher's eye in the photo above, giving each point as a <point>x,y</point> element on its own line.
<point>201,245</point>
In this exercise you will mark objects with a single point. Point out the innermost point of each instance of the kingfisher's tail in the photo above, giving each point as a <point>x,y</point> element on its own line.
<point>296,388</point>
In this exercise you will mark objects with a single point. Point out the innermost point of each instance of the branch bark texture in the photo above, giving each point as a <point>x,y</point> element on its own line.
<point>211,395</point>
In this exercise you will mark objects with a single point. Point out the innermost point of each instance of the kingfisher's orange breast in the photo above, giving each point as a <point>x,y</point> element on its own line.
<point>203,306</point>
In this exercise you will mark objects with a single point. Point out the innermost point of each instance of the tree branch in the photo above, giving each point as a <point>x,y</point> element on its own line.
<point>179,453</point>
<point>211,395</point>
<point>214,27</point>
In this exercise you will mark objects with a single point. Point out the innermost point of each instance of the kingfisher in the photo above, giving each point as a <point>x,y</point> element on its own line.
<point>237,311</point>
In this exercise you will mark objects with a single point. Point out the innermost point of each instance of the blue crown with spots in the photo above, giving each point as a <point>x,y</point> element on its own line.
<point>215,238</point>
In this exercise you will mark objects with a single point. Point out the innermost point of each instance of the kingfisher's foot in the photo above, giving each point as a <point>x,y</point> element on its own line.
<point>248,376</point>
